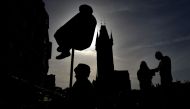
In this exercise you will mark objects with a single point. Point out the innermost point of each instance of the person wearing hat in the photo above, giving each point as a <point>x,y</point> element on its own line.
<point>82,91</point>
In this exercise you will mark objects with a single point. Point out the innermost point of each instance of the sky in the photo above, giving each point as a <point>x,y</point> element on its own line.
<point>139,29</point>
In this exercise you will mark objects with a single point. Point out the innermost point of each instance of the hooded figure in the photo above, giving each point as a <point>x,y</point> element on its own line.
<point>77,33</point>
<point>145,75</point>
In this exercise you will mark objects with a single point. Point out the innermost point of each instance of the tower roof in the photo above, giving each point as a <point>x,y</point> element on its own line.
<point>103,32</point>
<point>103,36</point>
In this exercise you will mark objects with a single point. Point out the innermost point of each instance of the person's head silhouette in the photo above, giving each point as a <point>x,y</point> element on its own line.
<point>143,65</point>
<point>158,55</point>
<point>82,71</point>
<point>85,9</point>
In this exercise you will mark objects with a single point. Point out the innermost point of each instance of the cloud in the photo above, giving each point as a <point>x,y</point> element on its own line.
<point>161,43</point>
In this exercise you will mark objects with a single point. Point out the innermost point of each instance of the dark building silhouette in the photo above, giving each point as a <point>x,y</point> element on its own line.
<point>110,84</point>
<point>107,77</point>
<point>121,81</point>
<point>26,50</point>
<point>49,82</point>
<point>26,44</point>
<point>105,65</point>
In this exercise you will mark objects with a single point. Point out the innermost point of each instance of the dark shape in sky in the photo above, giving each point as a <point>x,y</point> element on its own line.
<point>77,33</point>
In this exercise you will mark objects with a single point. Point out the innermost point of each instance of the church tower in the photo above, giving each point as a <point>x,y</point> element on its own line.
<point>105,65</point>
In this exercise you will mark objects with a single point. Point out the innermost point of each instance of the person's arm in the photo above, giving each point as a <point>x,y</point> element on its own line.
<point>156,69</point>
<point>152,72</point>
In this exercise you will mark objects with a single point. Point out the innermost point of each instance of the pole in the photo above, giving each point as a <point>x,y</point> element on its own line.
<point>71,70</point>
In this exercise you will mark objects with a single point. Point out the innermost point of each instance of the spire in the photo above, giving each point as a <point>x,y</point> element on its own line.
<point>102,22</point>
<point>103,32</point>
<point>105,64</point>
<point>111,38</point>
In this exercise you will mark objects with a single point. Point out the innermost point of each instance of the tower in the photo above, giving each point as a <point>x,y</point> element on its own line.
<point>105,65</point>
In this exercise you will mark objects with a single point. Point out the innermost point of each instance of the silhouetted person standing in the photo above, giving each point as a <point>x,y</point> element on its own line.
<point>82,96</point>
<point>145,75</point>
<point>77,33</point>
<point>164,69</point>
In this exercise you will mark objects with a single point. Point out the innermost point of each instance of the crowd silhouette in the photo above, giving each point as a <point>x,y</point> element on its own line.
<point>25,83</point>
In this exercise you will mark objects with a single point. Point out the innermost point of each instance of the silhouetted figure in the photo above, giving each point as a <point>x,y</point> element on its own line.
<point>77,33</point>
<point>145,75</point>
<point>164,69</point>
<point>82,96</point>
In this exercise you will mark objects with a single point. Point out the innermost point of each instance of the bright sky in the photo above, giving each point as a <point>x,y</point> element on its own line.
<point>139,28</point>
